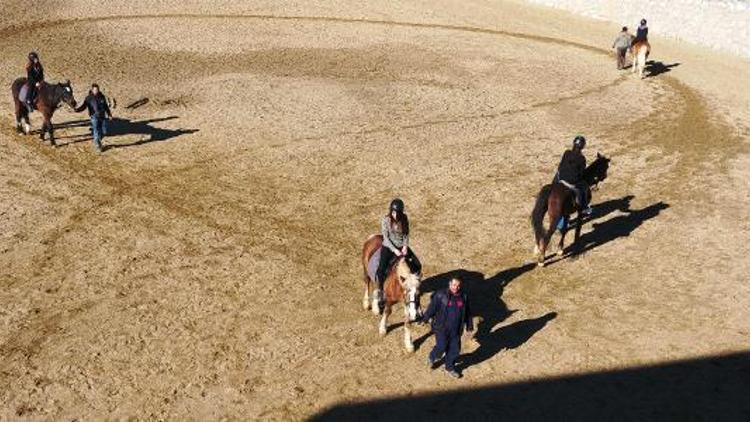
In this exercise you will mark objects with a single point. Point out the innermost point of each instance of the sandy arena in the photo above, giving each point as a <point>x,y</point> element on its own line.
<point>206,265</point>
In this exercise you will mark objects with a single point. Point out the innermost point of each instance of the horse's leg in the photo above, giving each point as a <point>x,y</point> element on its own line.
<point>366,298</point>
<point>51,133</point>
<point>376,300</point>
<point>579,223</point>
<point>26,121</point>
<point>384,320</point>
<point>407,331</point>
<point>553,217</point>
<point>561,245</point>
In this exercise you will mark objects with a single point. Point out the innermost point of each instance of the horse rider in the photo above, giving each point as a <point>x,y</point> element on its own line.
<point>450,313</point>
<point>621,45</point>
<point>96,103</point>
<point>570,172</point>
<point>34,78</point>
<point>641,35</point>
<point>395,230</point>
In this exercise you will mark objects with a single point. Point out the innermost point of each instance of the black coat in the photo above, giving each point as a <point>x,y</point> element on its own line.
<point>571,167</point>
<point>96,104</point>
<point>437,311</point>
<point>34,74</point>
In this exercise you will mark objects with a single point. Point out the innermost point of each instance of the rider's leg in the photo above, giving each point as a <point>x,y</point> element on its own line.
<point>386,255</point>
<point>416,263</point>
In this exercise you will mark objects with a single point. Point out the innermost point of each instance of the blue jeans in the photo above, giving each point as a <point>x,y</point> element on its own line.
<point>98,129</point>
<point>447,343</point>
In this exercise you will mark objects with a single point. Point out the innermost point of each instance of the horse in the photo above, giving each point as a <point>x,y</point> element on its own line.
<point>639,51</point>
<point>558,201</point>
<point>401,285</point>
<point>49,98</point>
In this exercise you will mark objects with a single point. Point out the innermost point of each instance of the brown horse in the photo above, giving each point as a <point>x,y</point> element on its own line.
<point>558,201</point>
<point>401,285</point>
<point>49,98</point>
<point>640,51</point>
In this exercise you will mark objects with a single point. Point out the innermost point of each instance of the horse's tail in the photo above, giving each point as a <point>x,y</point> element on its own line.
<point>540,208</point>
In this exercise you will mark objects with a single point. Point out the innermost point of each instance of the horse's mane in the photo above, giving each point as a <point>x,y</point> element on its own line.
<point>596,169</point>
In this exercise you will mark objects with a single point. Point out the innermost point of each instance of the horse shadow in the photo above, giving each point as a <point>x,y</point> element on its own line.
<point>119,126</point>
<point>485,296</point>
<point>654,68</point>
<point>612,229</point>
<point>122,126</point>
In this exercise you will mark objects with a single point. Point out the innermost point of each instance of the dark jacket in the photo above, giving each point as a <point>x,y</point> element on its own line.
<point>641,34</point>
<point>97,105</point>
<point>34,73</point>
<point>437,311</point>
<point>571,167</point>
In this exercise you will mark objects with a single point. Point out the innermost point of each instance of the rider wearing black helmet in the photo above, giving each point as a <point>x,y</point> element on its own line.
<point>395,230</point>
<point>34,78</point>
<point>570,171</point>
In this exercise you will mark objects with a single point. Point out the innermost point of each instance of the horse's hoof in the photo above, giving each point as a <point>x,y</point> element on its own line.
<point>540,264</point>
<point>410,348</point>
<point>560,252</point>
<point>366,305</point>
<point>382,331</point>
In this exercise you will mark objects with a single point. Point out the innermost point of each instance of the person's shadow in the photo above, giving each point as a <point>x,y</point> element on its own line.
<point>119,126</point>
<point>122,126</point>
<point>488,310</point>
<point>609,230</point>
<point>617,227</point>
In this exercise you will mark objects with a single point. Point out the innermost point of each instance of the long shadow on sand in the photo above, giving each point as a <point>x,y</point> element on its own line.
<point>485,296</point>
<point>122,126</point>
<point>611,229</point>
<point>654,68</point>
<point>707,389</point>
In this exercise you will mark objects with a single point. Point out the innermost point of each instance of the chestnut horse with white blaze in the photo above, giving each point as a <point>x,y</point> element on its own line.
<point>49,97</point>
<point>401,285</point>
<point>639,51</point>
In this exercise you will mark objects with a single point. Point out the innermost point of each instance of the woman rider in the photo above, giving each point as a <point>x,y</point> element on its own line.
<point>34,78</point>
<point>395,230</point>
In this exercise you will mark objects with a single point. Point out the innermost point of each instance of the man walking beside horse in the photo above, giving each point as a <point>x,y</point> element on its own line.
<point>450,312</point>
<point>96,103</point>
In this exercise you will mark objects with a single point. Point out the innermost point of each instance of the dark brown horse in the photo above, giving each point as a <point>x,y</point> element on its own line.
<point>49,98</point>
<point>401,285</point>
<point>558,201</point>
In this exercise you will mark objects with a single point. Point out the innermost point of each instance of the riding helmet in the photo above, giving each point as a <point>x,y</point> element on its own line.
<point>579,142</point>
<point>33,55</point>
<point>643,21</point>
<point>397,205</point>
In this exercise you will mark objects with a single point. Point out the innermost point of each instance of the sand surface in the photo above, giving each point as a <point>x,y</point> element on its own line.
<point>206,265</point>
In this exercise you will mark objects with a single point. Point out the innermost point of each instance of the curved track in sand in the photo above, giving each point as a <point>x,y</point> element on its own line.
<point>201,274</point>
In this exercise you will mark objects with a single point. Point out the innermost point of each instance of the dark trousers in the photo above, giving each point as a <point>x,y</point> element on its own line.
<point>386,255</point>
<point>448,343</point>
<point>621,60</point>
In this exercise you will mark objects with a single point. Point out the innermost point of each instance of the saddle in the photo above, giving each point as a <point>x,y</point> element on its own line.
<point>372,264</point>
<point>23,93</point>
<point>573,188</point>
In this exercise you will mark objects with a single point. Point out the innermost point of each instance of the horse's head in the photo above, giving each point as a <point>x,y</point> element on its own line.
<point>65,91</point>
<point>597,171</point>
<point>410,278</point>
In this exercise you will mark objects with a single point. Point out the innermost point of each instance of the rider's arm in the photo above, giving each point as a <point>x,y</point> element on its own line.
<point>406,231</point>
